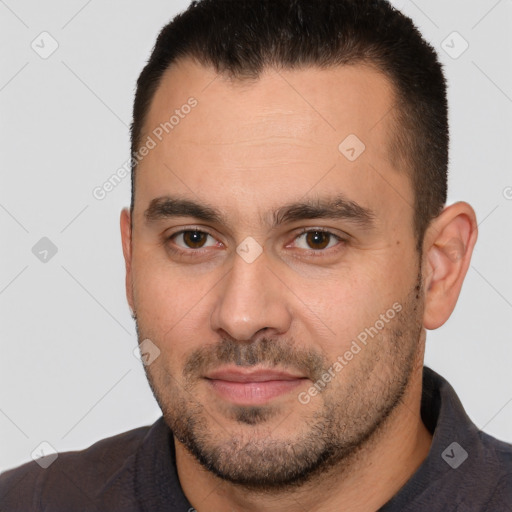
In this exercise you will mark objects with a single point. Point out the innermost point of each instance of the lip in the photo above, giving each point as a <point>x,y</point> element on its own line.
<point>252,387</point>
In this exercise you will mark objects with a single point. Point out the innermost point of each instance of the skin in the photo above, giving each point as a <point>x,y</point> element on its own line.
<point>246,150</point>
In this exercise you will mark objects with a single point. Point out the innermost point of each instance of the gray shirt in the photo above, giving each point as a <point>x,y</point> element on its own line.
<point>465,471</point>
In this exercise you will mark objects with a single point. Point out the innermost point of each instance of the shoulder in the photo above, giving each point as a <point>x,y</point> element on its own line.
<point>497,456</point>
<point>76,477</point>
<point>502,449</point>
<point>499,464</point>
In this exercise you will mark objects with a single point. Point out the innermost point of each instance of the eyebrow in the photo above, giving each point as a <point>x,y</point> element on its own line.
<point>337,207</point>
<point>167,207</point>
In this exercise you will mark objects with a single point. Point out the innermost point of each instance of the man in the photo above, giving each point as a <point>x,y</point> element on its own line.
<point>286,248</point>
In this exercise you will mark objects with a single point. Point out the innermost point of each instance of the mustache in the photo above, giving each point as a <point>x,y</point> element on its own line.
<point>266,352</point>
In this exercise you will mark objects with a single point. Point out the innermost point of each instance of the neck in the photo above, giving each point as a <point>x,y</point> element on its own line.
<point>363,482</point>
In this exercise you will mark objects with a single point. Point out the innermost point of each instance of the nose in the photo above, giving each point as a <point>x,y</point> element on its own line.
<point>251,299</point>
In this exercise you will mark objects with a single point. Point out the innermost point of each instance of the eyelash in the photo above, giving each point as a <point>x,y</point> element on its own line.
<point>198,252</point>
<point>186,252</point>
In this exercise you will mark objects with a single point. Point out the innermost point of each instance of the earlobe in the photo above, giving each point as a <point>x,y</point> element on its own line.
<point>126,238</point>
<point>450,240</point>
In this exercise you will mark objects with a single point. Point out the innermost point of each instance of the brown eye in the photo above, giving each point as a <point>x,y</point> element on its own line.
<point>194,239</point>
<point>318,239</point>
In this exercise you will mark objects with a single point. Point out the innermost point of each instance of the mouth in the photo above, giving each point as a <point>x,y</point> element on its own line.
<point>252,387</point>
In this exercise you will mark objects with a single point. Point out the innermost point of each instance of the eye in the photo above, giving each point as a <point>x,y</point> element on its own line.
<point>317,240</point>
<point>192,239</point>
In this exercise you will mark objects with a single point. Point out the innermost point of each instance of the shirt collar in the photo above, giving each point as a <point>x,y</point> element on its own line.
<point>459,460</point>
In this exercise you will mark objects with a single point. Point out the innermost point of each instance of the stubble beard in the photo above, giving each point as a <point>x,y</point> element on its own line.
<point>354,407</point>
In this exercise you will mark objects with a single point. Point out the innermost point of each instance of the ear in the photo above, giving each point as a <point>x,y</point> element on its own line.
<point>126,237</point>
<point>447,249</point>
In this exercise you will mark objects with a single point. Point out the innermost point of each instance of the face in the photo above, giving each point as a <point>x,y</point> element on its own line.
<point>273,264</point>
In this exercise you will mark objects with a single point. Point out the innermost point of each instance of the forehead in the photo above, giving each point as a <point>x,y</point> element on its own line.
<point>299,131</point>
<point>308,101</point>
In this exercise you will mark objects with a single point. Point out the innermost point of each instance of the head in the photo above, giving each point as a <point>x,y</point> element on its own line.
<point>287,226</point>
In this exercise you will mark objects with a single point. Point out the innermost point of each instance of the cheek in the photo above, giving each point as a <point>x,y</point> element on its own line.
<point>171,305</point>
<point>348,303</point>
<point>170,321</point>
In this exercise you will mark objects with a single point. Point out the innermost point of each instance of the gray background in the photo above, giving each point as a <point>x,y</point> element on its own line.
<point>68,375</point>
